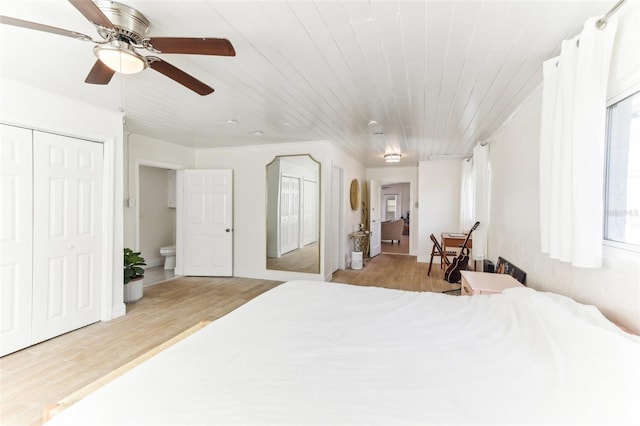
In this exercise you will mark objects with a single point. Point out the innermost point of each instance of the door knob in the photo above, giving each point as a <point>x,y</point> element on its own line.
<point>228,230</point>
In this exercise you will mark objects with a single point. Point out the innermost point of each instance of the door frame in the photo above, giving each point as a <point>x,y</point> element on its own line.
<point>136,189</point>
<point>413,222</point>
<point>337,202</point>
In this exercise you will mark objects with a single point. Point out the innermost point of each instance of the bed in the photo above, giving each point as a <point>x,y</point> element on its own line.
<point>335,354</point>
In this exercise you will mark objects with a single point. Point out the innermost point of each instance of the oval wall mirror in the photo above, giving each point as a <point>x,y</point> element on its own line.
<point>293,214</point>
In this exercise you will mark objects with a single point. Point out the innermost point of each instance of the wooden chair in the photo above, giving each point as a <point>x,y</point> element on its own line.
<point>436,250</point>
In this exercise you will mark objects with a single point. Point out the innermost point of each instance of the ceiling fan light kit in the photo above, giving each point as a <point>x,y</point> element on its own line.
<point>123,30</point>
<point>392,158</point>
<point>120,57</point>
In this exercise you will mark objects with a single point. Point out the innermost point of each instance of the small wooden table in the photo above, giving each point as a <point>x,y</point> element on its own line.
<point>453,240</point>
<point>486,283</point>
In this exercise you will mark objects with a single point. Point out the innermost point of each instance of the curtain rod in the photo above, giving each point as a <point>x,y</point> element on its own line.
<point>602,22</point>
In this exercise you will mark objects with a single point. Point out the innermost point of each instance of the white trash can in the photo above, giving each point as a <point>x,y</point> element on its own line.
<point>356,260</point>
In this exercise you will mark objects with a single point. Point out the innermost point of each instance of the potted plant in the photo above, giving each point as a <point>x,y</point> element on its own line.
<point>133,275</point>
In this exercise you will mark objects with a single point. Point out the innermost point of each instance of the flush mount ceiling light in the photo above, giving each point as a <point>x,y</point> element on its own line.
<point>392,158</point>
<point>120,57</point>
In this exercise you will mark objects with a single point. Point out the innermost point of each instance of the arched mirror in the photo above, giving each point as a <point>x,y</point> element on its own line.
<point>293,214</point>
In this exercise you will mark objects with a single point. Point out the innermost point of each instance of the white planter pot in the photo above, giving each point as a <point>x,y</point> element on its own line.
<point>133,290</point>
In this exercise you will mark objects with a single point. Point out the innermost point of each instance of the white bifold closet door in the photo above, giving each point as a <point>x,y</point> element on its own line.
<point>67,230</point>
<point>289,214</point>
<point>51,244</point>
<point>15,238</point>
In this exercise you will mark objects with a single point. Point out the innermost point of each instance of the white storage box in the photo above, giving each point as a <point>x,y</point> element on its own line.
<point>356,260</point>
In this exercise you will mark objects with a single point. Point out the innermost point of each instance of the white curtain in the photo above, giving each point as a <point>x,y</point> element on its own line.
<point>474,199</point>
<point>481,183</point>
<point>572,138</point>
<point>467,196</point>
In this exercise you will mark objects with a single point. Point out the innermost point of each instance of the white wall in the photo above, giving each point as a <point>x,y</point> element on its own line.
<point>397,175</point>
<point>514,232</point>
<point>31,107</point>
<point>352,169</point>
<point>157,220</point>
<point>515,228</point>
<point>624,75</point>
<point>438,202</point>
<point>249,181</point>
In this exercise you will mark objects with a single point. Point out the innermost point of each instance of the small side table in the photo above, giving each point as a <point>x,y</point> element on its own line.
<point>360,240</point>
<point>486,283</point>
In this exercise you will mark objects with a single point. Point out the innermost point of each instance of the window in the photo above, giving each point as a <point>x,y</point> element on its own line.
<point>622,192</point>
<point>390,201</point>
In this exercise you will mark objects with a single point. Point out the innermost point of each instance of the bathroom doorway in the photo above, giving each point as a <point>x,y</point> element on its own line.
<point>156,217</point>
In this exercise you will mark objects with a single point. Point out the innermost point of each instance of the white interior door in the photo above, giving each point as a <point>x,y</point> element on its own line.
<point>289,214</point>
<point>205,223</point>
<point>374,218</point>
<point>67,251</point>
<point>16,224</point>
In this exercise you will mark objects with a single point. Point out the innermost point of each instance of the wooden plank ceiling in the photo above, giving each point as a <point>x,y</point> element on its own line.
<point>435,77</point>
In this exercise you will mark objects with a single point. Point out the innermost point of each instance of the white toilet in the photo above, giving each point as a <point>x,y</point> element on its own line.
<point>169,253</point>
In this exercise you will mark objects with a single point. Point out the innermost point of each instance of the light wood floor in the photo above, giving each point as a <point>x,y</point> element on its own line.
<point>396,271</point>
<point>402,248</point>
<point>305,259</point>
<point>38,376</point>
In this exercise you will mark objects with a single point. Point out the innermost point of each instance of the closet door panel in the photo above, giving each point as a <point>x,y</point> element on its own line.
<point>289,214</point>
<point>67,234</point>
<point>15,238</point>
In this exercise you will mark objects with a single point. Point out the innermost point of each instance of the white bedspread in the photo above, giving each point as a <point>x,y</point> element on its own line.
<point>334,354</point>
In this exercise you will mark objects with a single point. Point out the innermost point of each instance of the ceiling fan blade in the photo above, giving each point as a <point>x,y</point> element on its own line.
<point>92,13</point>
<point>179,76</point>
<point>41,27</point>
<point>193,46</point>
<point>99,74</point>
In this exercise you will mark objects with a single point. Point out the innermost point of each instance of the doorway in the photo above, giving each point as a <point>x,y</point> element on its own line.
<point>155,216</point>
<point>395,206</point>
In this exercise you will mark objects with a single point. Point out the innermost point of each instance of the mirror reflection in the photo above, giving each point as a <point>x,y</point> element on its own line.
<point>293,214</point>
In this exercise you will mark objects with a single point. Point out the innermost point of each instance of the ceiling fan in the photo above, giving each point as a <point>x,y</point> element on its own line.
<point>123,30</point>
